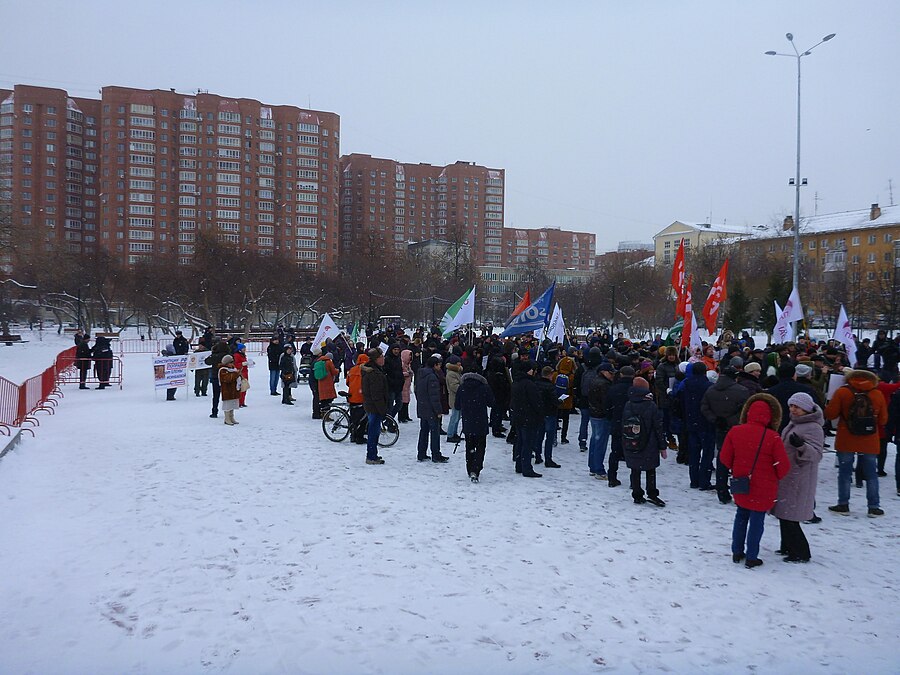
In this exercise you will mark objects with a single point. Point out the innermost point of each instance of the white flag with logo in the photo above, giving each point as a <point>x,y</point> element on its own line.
<point>792,310</point>
<point>556,331</point>
<point>461,312</point>
<point>843,333</point>
<point>782,332</point>
<point>696,342</point>
<point>327,329</point>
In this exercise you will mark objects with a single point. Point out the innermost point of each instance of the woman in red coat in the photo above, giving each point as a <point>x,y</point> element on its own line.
<point>240,364</point>
<point>754,448</point>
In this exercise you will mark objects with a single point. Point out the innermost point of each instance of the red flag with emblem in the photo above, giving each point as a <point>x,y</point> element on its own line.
<point>522,306</point>
<point>678,279</point>
<point>688,314</point>
<point>717,295</point>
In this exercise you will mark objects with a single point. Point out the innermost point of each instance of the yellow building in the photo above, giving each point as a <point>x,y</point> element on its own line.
<point>695,235</point>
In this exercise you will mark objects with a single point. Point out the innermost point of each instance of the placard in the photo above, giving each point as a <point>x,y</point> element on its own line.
<point>170,371</point>
<point>835,382</point>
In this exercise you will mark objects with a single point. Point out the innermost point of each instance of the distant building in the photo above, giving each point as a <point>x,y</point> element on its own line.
<point>395,203</point>
<point>140,172</point>
<point>666,242</point>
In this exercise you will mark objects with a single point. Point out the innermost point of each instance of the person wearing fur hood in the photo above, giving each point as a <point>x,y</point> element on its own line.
<point>406,360</point>
<point>755,449</point>
<point>804,442</point>
<point>473,398</point>
<point>230,386</point>
<point>865,448</point>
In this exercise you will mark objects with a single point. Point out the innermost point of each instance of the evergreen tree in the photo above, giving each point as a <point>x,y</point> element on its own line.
<point>778,289</point>
<point>737,308</point>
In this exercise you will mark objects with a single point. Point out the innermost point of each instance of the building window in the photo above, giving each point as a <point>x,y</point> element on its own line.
<point>812,245</point>
<point>855,241</point>
<point>888,238</point>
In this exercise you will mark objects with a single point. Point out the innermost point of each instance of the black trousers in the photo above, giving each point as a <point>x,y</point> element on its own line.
<point>217,389</point>
<point>636,490</point>
<point>358,423</point>
<point>615,453</point>
<point>497,419</point>
<point>793,541</point>
<point>564,416</point>
<point>722,483</point>
<point>314,388</point>
<point>475,446</point>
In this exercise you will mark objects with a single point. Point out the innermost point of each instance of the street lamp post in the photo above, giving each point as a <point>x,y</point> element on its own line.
<point>798,55</point>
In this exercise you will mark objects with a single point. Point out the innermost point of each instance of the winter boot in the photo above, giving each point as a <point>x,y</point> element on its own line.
<point>404,413</point>
<point>229,417</point>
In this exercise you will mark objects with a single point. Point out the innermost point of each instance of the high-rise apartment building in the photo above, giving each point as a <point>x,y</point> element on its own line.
<point>140,172</point>
<point>392,204</point>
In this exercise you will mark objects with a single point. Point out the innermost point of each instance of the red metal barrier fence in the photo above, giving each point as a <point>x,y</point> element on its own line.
<point>20,403</point>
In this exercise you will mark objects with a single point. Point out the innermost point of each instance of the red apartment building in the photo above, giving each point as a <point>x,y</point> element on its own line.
<point>393,203</point>
<point>140,172</point>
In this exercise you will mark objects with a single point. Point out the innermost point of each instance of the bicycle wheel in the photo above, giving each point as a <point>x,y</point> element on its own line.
<point>390,432</point>
<point>336,424</point>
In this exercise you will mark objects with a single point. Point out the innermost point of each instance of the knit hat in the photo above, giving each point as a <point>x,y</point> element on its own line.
<point>329,356</point>
<point>712,376</point>
<point>626,372</point>
<point>640,382</point>
<point>239,346</point>
<point>803,370</point>
<point>454,359</point>
<point>736,362</point>
<point>228,358</point>
<point>802,400</point>
<point>752,367</point>
<point>683,367</point>
<point>605,367</point>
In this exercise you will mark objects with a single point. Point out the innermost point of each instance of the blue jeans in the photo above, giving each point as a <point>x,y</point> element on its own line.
<point>373,432</point>
<point>756,521</point>
<point>429,428</point>
<point>524,447</point>
<point>599,441</point>
<point>702,445</point>
<point>453,423</point>
<point>274,379</point>
<point>845,475</point>
<point>583,426</point>
<point>546,435</point>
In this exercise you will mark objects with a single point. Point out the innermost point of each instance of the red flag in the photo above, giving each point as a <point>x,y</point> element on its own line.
<point>678,276</point>
<point>522,306</point>
<point>717,295</point>
<point>688,314</point>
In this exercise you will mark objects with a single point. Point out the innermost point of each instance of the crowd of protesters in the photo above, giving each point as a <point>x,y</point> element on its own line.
<point>750,423</point>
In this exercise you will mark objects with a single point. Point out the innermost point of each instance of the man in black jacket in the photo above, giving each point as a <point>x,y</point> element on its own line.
<point>393,369</point>
<point>788,386</point>
<point>429,408</point>
<point>616,398</point>
<point>82,359</point>
<point>376,399</point>
<point>182,346</point>
<point>527,416</point>
<point>721,405</point>
<point>550,406</point>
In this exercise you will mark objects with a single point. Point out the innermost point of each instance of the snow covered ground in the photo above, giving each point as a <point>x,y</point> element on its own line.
<point>141,536</point>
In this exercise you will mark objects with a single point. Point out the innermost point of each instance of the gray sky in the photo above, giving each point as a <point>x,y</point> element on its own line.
<point>608,116</point>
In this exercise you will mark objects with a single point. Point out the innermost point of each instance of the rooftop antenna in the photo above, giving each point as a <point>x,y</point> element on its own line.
<point>816,204</point>
<point>891,190</point>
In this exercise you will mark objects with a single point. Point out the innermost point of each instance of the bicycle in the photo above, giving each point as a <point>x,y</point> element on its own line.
<point>336,425</point>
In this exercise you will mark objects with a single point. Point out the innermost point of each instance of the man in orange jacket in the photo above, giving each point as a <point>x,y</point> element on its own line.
<point>862,442</point>
<point>357,414</point>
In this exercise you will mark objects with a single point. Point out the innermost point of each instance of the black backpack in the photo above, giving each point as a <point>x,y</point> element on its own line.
<point>634,435</point>
<point>861,415</point>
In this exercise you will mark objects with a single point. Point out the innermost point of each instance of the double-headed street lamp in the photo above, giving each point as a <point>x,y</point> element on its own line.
<point>798,55</point>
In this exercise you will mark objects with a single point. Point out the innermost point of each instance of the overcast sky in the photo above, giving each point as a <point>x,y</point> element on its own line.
<point>610,117</point>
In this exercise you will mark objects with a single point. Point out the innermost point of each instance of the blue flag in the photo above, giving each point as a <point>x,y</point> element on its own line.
<point>534,317</point>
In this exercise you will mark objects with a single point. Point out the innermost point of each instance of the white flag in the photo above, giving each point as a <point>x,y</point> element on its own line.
<point>556,331</point>
<point>696,342</point>
<point>782,332</point>
<point>843,333</point>
<point>460,313</point>
<point>793,310</point>
<point>327,329</point>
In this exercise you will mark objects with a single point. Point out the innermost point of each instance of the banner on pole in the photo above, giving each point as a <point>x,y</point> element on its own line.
<point>170,371</point>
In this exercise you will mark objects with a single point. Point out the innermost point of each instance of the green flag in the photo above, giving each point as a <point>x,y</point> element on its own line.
<point>674,336</point>
<point>460,313</point>
<point>354,333</point>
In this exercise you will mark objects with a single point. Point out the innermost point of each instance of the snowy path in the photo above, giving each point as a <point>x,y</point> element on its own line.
<point>141,536</point>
